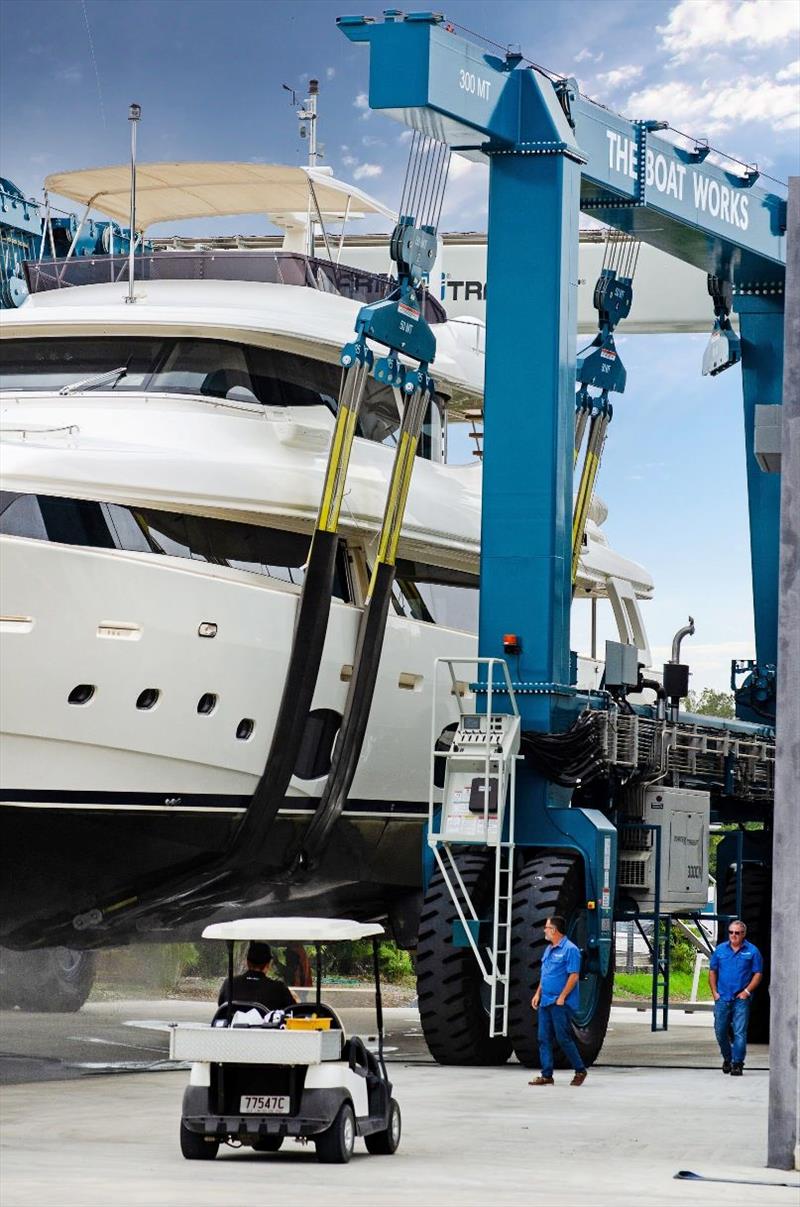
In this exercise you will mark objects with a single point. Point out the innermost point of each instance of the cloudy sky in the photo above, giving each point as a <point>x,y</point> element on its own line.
<point>209,76</point>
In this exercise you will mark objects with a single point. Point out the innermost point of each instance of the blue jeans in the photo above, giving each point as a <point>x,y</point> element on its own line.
<point>555,1024</point>
<point>730,1018</point>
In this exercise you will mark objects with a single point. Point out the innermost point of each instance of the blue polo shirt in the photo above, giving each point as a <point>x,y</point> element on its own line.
<point>735,969</point>
<point>557,963</point>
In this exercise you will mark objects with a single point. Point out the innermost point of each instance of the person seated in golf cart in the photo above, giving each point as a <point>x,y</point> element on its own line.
<point>254,985</point>
<point>255,1084</point>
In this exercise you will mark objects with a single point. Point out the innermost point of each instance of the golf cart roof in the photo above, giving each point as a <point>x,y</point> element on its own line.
<point>302,930</point>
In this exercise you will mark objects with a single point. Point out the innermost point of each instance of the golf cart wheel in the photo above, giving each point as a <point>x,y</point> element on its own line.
<point>335,1146</point>
<point>195,1147</point>
<point>453,997</point>
<point>267,1144</point>
<point>552,883</point>
<point>756,913</point>
<point>385,1143</point>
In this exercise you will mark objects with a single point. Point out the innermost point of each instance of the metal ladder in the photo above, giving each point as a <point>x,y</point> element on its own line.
<point>501,937</point>
<point>487,829</point>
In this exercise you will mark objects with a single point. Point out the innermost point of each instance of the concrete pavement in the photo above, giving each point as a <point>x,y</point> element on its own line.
<point>471,1136</point>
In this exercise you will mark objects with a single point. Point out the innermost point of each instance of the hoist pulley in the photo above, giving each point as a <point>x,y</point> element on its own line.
<point>723,348</point>
<point>600,367</point>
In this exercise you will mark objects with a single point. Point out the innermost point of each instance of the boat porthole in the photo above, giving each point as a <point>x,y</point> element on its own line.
<point>244,729</point>
<point>147,699</point>
<point>206,704</point>
<point>81,694</point>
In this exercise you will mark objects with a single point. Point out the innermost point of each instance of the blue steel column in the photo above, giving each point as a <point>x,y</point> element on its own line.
<point>529,428</point>
<point>761,327</point>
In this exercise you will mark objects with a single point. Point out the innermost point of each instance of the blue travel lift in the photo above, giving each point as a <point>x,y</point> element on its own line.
<point>31,232</point>
<point>553,153</point>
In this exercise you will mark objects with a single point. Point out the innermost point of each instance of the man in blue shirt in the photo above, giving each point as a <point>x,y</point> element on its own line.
<point>556,999</point>
<point>734,973</point>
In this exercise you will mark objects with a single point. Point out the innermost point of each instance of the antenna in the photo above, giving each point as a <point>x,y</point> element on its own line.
<point>134,114</point>
<point>307,116</point>
<point>286,88</point>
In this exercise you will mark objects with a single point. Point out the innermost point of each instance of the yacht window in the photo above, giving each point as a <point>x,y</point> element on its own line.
<point>202,366</point>
<point>75,522</point>
<point>49,364</point>
<point>270,552</point>
<point>209,368</point>
<point>283,380</point>
<point>20,516</point>
<point>440,596</point>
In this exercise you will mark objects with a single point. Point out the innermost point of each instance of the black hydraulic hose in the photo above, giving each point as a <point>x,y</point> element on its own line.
<point>355,718</point>
<point>376,968</point>
<point>308,640</point>
<point>369,644</point>
<point>298,691</point>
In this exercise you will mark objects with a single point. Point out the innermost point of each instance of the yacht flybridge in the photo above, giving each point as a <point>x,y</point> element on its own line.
<point>163,464</point>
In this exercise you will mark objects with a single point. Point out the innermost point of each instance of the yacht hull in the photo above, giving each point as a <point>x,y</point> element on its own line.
<point>104,800</point>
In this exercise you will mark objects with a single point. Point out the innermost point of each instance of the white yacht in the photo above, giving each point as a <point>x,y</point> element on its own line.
<point>162,467</point>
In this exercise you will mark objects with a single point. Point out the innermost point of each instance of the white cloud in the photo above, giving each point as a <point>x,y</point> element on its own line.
<point>712,25</point>
<point>349,160</point>
<point>584,54</point>
<point>405,135</point>
<point>792,72</point>
<point>330,72</point>
<point>619,75</point>
<point>70,75</point>
<point>369,140</point>
<point>708,107</point>
<point>361,101</point>
<point>466,195</point>
<point>365,170</point>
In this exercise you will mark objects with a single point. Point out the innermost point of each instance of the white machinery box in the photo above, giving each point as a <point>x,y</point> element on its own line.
<point>683,817</point>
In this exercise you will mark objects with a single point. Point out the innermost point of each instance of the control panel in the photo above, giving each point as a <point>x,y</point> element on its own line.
<point>479,767</point>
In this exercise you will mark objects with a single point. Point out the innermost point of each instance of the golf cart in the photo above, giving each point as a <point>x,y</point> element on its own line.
<point>259,1076</point>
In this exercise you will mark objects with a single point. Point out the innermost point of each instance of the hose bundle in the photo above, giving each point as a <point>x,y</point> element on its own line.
<point>569,758</point>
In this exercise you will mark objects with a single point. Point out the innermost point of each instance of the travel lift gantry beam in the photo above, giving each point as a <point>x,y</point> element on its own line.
<point>552,153</point>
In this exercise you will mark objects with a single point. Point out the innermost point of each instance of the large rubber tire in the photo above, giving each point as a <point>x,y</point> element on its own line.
<point>451,991</point>
<point>335,1146</point>
<point>757,915</point>
<point>552,883</point>
<point>195,1147</point>
<point>53,980</point>
<point>384,1143</point>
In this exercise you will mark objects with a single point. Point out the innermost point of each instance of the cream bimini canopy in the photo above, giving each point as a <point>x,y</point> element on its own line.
<point>170,192</point>
<point>288,930</point>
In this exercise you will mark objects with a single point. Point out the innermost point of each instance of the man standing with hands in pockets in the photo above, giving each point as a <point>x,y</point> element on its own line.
<point>556,999</point>
<point>734,973</point>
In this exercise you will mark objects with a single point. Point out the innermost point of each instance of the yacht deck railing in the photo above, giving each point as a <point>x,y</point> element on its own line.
<point>266,267</point>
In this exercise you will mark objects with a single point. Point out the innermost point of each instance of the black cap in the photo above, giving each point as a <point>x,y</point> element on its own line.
<point>259,954</point>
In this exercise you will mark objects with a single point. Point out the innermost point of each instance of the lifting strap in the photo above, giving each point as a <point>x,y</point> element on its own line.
<point>598,427</point>
<point>371,631</point>
<point>600,366</point>
<point>311,622</point>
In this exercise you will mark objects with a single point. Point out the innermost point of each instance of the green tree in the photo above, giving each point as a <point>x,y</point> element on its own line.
<point>710,703</point>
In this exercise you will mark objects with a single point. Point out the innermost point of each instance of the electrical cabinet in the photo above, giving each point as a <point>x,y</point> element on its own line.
<point>683,817</point>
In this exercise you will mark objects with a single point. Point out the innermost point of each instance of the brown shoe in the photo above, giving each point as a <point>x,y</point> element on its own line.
<point>579,1078</point>
<point>542,1081</point>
